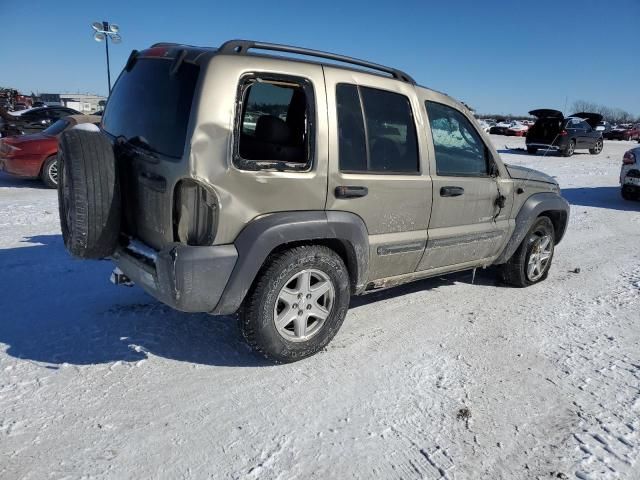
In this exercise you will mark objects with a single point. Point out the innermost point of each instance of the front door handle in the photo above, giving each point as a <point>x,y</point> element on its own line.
<point>351,191</point>
<point>451,191</point>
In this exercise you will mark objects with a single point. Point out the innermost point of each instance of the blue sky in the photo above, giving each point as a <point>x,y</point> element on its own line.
<point>499,57</point>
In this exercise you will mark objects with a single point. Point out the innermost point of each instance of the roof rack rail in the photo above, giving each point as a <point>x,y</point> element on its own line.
<point>241,47</point>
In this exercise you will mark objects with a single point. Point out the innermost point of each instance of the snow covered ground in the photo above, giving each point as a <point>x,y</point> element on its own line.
<point>437,379</point>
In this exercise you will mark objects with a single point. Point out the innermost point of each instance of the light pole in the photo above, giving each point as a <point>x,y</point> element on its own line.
<point>105,31</point>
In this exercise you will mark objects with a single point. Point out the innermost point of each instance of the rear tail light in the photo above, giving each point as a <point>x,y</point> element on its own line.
<point>629,158</point>
<point>563,133</point>
<point>7,150</point>
<point>195,214</point>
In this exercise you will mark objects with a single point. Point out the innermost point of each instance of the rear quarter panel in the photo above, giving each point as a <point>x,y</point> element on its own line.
<point>244,195</point>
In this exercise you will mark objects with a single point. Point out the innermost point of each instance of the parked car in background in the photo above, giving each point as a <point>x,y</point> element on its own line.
<point>518,130</point>
<point>486,125</point>
<point>623,132</point>
<point>501,127</point>
<point>630,175</point>
<point>39,104</point>
<point>35,120</point>
<point>18,107</point>
<point>604,127</point>
<point>554,131</point>
<point>34,155</point>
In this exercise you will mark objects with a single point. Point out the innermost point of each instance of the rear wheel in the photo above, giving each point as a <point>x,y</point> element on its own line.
<point>597,148</point>
<point>49,173</point>
<point>571,148</point>
<point>531,261</point>
<point>297,303</point>
<point>532,150</point>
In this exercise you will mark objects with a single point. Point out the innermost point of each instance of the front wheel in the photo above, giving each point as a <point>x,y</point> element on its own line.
<point>531,261</point>
<point>597,148</point>
<point>297,304</point>
<point>571,148</point>
<point>49,173</point>
<point>532,150</point>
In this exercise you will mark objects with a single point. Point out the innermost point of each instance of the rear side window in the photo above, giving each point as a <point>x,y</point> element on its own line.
<point>351,137</point>
<point>152,105</point>
<point>275,128</point>
<point>575,123</point>
<point>376,131</point>
<point>57,113</point>
<point>458,147</point>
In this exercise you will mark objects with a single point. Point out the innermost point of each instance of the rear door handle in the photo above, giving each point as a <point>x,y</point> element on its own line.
<point>351,191</point>
<point>451,191</point>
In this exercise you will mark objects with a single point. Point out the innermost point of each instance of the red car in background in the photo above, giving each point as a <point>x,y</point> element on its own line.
<point>624,132</point>
<point>34,156</point>
<point>518,129</point>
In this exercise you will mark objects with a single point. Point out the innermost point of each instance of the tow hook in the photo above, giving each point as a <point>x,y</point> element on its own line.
<point>119,278</point>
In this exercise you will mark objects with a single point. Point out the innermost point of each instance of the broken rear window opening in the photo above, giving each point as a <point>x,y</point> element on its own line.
<point>152,104</point>
<point>274,124</point>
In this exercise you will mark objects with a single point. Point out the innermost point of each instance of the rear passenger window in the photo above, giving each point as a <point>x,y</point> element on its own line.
<point>458,147</point>
<point>275,128</point>
<point>376,131</point>
<point>351,138</point>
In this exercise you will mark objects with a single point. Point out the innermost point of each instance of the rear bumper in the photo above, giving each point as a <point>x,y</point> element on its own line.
<point>630,175</point>
<point>543,146</point>
<point>187,278</point>
<point>27,167</point>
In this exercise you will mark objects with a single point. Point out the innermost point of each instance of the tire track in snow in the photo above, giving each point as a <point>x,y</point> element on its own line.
<point>603,376</point>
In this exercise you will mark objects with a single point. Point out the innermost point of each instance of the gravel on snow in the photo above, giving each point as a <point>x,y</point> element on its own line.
<point>437,379</point>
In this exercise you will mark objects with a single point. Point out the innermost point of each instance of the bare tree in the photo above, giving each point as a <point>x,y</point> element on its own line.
<point>613,115</point>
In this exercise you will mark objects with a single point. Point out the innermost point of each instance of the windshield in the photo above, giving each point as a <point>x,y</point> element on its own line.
<point>151,104</point>
<point>57,127</point>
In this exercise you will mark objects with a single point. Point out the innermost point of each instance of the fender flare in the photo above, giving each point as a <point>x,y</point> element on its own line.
<point>533,207</point>
<point>268,232</point>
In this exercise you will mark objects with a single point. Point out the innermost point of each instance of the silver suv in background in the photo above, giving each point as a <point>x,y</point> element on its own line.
<point>630,175</point>
<point>235,180</point>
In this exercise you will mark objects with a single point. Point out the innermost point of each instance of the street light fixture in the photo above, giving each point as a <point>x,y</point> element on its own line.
<point>104,31</point>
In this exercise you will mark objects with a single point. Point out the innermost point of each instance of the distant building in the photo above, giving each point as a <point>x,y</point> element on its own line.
<point>83,102</point>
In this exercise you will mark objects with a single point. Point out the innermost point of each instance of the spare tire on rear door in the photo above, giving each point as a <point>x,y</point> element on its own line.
<point>88,194</point>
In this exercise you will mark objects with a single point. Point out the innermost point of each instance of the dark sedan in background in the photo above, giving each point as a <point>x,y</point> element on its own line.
<point>33,120</point>
<point>553,131</point>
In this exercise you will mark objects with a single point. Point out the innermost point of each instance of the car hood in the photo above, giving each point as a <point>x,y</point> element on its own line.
<point>524,173</point>
<point>592,119</point>
<point>546,113</point>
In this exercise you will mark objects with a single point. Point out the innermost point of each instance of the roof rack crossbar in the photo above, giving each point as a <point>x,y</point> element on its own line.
<point>240,47</point>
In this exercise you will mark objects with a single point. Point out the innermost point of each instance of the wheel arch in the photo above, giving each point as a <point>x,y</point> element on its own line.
<point>544,204</point>
<point>45,160</point>
<point>559,219</point>
<point>343,232</point>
